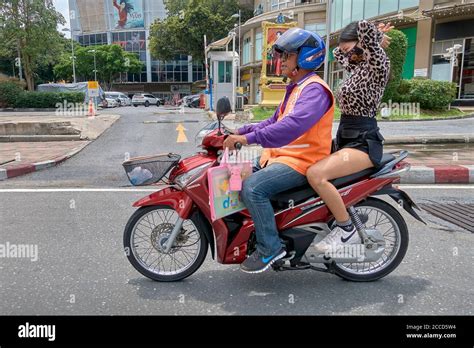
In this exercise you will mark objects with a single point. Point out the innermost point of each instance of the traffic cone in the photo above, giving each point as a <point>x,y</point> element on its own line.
<point>91,109</point>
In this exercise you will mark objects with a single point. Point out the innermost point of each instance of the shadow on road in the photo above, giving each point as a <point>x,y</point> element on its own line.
<point>300,293</point>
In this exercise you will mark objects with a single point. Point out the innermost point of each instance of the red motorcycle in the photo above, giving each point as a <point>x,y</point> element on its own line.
<point>168,237</point>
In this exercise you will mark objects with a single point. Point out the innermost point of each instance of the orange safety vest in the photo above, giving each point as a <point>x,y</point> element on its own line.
<point>312,146</point>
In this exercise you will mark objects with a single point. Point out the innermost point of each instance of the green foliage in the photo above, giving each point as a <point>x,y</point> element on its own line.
<point>110,61</point>
<point>30,26</point>
<point>432,95</point>
<point>397,52</point>
<point>182,32</point>
<point>47,99</point>
<point>9,92</point>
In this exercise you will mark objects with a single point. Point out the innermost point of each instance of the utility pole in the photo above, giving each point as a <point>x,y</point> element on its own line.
<point>328,39</point>
<point>72,51</point>
<point>95,64</point>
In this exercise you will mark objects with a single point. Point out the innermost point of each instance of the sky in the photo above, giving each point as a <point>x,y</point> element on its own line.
<point>63,7</point>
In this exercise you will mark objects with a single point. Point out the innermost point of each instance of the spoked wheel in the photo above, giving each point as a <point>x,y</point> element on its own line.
<point>388,221</point>
<point>146,235</point>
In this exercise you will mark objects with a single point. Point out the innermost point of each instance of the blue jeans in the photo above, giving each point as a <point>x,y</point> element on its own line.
<point>256,192</point>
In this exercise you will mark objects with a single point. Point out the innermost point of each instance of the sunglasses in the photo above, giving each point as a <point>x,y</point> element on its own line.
<point>286,55</point>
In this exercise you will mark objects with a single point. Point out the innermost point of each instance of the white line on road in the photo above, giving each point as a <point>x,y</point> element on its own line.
<point>72,189</point>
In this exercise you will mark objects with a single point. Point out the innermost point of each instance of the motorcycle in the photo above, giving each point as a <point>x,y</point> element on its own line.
<point>168,237</point>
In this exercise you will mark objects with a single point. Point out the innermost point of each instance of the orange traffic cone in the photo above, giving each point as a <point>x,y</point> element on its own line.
<point>91,109</point>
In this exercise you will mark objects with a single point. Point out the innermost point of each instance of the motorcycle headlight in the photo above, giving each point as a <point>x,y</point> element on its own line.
<point>184,179</point>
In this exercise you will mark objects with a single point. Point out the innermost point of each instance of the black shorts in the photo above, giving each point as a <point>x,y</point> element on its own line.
<point>361,133</point>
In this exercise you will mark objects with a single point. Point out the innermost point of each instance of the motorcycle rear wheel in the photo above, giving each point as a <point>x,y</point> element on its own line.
<point>144,237</point>
<point>370,271</point>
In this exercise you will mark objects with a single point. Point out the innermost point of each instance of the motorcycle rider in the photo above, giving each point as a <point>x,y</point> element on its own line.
<point>298,135</point>
<point>359,143</point>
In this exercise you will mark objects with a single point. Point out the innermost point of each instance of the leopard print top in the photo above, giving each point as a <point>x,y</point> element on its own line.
<point>361,92</point>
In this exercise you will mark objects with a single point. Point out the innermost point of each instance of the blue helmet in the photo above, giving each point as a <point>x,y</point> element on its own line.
<point>309,46</point>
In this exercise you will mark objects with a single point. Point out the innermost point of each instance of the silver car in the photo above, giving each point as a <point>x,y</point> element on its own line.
<point>146,99</point>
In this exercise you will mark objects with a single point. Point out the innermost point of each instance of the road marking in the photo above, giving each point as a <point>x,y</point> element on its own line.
<point>153,189</point>
<point>181,135</point>
<point>435,186</point>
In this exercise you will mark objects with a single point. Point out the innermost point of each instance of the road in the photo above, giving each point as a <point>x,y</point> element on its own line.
<point>75,214</point>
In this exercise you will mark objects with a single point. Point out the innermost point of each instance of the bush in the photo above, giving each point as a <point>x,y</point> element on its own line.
<point>432,95</point>
<point>397,52</point>
<point>9,92</point>
<point>47,99</point>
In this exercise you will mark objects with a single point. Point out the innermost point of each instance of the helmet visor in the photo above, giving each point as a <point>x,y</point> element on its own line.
<point>291,40</point>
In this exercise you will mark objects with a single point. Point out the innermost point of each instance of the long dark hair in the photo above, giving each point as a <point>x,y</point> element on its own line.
<point>350,33</point>
<point>128,6</point>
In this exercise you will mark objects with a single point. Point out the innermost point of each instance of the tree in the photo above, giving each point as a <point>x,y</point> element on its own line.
<point>397,52</point>
<point>110,61</point>
<point>188,21</point>
<point>29,27</point>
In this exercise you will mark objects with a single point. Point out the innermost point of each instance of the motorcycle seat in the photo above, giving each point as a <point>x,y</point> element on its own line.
<point>300,194</point>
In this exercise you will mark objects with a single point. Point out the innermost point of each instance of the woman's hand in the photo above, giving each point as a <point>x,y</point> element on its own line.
<point>385,28</point>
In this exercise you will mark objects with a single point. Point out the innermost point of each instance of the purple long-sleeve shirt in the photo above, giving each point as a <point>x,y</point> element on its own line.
<point>310,107</point>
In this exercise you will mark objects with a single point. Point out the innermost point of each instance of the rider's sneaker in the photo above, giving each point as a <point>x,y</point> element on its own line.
<point>257,263</point>
<point>338,236</point>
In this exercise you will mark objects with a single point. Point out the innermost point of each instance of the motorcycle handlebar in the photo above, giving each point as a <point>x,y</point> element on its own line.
<point>238,146</point>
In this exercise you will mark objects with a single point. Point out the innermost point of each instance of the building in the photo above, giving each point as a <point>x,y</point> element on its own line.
<point>431,27</point>
<point>127,23</point>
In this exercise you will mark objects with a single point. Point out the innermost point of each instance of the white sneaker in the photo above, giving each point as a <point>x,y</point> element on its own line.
<point>338,236</point>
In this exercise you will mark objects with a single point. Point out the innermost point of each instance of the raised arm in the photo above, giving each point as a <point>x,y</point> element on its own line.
<point>371,38</point>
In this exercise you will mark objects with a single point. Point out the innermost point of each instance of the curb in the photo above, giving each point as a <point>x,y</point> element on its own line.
<point>439,174</point>
<point>38,138</point>
<point>33,167</point>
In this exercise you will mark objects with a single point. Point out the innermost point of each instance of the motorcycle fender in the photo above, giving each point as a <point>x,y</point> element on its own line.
<point>178,200</point>
<point>402,198</point>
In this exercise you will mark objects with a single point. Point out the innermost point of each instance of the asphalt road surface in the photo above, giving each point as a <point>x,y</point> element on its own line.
<point>81,267</point>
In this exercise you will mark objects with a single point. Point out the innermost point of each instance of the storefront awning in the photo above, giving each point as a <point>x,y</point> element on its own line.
<point>450,11</point>
<point>219,44</point>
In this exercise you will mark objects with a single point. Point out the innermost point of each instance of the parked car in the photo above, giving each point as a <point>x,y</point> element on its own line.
<point>191,101</point>
<point>120,97</point>
<point>146,99</point>
<point>112,102</point>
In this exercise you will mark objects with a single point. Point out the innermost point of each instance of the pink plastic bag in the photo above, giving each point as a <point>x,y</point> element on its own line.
<point>225,184</point>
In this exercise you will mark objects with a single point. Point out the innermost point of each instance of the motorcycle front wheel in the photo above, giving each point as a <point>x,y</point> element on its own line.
<point>146,234</point>
<point>384,217</point>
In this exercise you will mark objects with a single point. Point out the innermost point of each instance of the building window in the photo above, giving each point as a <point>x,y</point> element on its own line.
<point>282,4</point>
<point>467,77</point>
<point>258,46</point>
<point>246,51</point>
<point>336,76</point>
<point>387,6</point>
<point>92,39</point>
<point>318,28</point>
<point>357,10</point>
<point>347,11</point>
<point>371,8</point>
<point>225,72</point>
<point>198,72</point>
<point>170,71</point>
<point>408,3</point>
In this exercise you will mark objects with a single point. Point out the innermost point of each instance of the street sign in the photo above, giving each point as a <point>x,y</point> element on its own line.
<point>93,88</point>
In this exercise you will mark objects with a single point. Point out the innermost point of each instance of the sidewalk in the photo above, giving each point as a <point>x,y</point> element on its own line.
<point>36,140</point>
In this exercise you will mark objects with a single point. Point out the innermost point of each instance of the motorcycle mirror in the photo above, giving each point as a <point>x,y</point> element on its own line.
<point>223,108</point>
